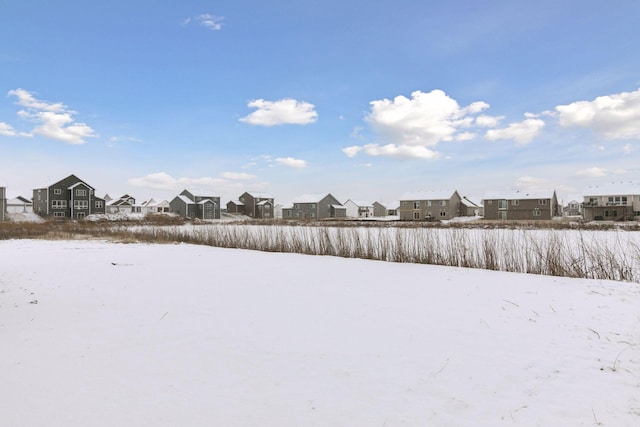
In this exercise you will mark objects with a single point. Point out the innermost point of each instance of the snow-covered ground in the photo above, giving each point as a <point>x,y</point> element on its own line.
<point>100,334</point>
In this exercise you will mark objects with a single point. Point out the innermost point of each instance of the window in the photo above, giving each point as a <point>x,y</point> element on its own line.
<point>502,215</point>
<point>542,201</point>
<point>80,215</point>
<point>536,212</point>
<point>58,214</point>
<point>489,202</point>
<point>443,213</point>
<point>428,202</point>
<point>502,204</point>
<point>99,204</point>
<point>312,206</point>
<point>416,205</point>
<point>59,204</point>
<point>81,204</point>
<point>57,191</point>
<point>429,214</point>
<point>81,192</point>
<point>443,203</point>
<point>416,215</point>
<point>515,202</point>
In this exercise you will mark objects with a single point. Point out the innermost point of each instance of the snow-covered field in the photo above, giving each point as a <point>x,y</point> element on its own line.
<point>101,334</point>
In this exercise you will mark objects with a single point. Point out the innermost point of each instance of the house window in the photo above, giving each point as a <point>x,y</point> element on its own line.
<point>58,214</point>
<point>502,204</point>
<point>312,215</point>
<point>443,213</point>
<point>416,215</point>
<point>429,214</point>
<point>99,204</point>
<point>59,204</point>
<point>502,215</point>
<point>428,202</point>
<point>443,203</point>
<point>81,192</point>
<point>489,202</point>
<point>536,212</point>
<point>80,215</point>
<point>542,201</point>
<point>57,191</point>
<point>416,205</point>
<point>289,213</point>
<point>81,204</point>
<point>515,202</point>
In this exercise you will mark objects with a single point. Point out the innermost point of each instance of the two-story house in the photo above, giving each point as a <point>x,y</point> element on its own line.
<point>314,206</point>
<point>521,205</point>
<point>125,204</point>
<point>431,205</point>
<point>256,205</point>
<point>613,202</point>
<point>359,209</point>
<point>190,205</point>
<point>70,197</point>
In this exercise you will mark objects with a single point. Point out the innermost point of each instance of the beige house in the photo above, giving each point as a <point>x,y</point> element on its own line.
<point>431,205</point>
<point>614,202</point>
<point>521,205</point>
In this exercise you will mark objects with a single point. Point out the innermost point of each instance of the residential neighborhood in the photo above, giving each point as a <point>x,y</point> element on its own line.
<point>74,198</point>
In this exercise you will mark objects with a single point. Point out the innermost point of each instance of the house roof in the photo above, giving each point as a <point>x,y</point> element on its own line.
<point>309,198</point>
<point>78,184</point>
<point>428,195</point>
<point>186,200</point>
<point>264,202</point>
<point>205,201</point>
<point>21,201</point>
<point>360,203</point>
<point>469,203</point>
<point>236,202</point>
<point>259,195</point>
<point>613,189</point>
<point>519,195</point>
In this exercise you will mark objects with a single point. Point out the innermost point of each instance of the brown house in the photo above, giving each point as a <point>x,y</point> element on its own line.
<point>431,205</point>
<point>314,206</point>
<point>521,205</point>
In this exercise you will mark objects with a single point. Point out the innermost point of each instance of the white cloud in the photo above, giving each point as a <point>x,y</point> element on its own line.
<point>614,116</point>
<point>465,136</point>
<point>284,111</point>
<point>392,150</point>
<point>628,148</point>
<point>53,120</point>
<point>237,176</point>
<point>291,162</point>
<point>424,120</point>
<point>207,20</point>
<point>522,132</point>
<point>488,121</point>
<point>7,130</point>
<point>592,172</point>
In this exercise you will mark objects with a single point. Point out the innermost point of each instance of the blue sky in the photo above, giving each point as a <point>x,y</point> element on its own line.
<point>362,99</point>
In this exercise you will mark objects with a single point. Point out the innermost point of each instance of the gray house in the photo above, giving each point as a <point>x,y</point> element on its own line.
<point>431,205</point>
<point>3,203</point>
<point>257,205</point>
<point>382,209</point>
<point>67,198</point>
<point>521,205</point>
<point>189,205</point>
<point>612,202</point>
<point>314,206</point>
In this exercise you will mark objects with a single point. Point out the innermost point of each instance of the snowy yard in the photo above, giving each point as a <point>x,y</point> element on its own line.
<point>102,334</point>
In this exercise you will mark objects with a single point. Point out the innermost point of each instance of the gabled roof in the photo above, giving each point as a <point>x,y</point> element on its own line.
<point>310,198</point>
<point>236,202</point>
<point>18,201</point>
<point>185,199</point>
<point>469,203</point>
<point>78,184</point>
<point>259,195</point>
<point>429,195</point>
<point>205,201</point>
<point>264,202</point>
<point>627,188</point>
<point>519,195</point>
<point>360,203</point>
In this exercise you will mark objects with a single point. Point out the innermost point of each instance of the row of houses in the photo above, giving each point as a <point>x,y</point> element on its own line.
<point>72,197</point>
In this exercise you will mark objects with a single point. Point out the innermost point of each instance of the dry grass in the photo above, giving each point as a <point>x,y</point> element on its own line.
<point>612,255</point>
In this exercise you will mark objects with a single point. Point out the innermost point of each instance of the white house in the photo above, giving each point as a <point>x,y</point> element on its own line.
<point>358,209</point>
